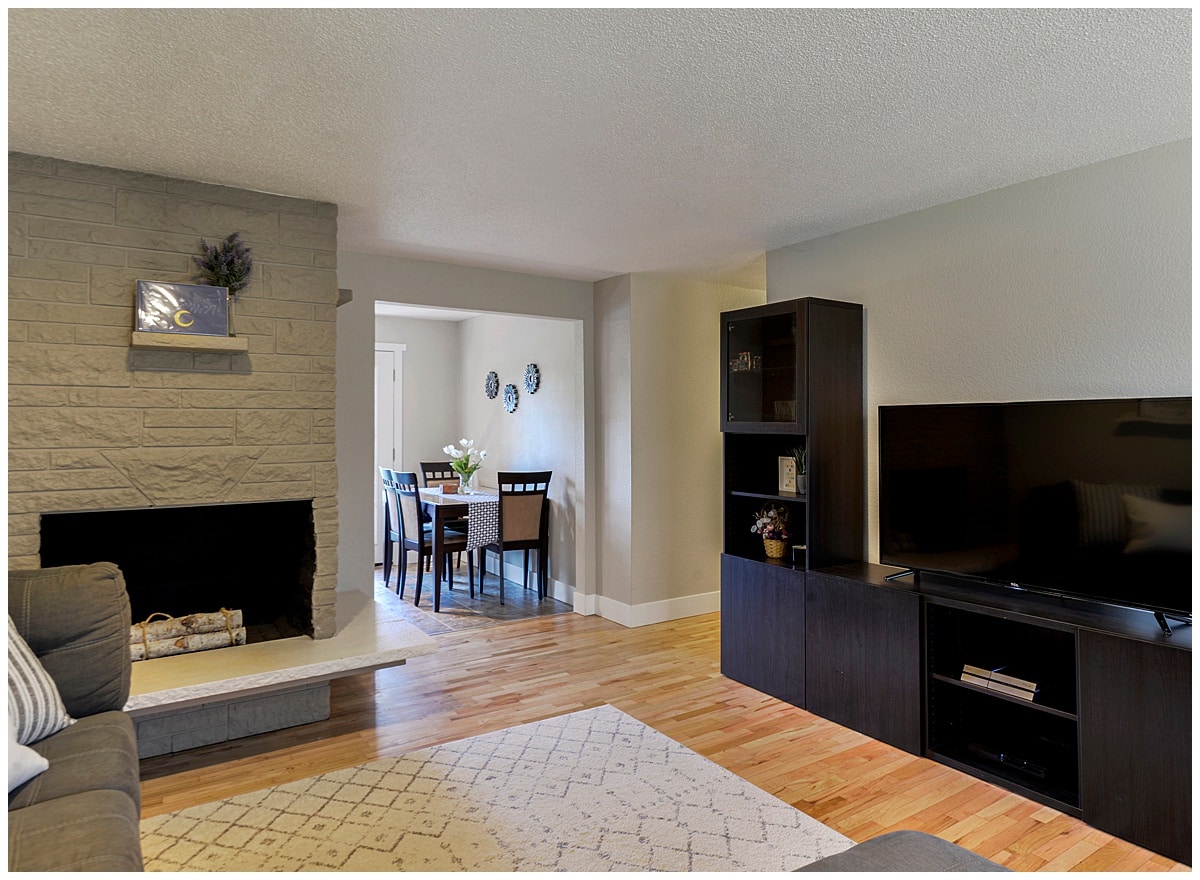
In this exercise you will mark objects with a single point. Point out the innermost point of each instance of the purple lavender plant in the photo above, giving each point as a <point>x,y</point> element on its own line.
<point>225,264</point>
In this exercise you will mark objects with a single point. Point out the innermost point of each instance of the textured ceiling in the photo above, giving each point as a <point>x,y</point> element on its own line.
<point>585,143</point>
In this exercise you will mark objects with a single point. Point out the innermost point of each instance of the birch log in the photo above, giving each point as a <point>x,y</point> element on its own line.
<point>153,630</point>
<point>187,644</point>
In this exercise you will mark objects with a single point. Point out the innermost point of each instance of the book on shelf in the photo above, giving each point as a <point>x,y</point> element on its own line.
<point>1005,678</point>
<point>996,679</point>
<point>977,671</point>
<point>976,675</point>
<point>1012,690</point>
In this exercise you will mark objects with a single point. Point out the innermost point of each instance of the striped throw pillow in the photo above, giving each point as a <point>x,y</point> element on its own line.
<point>33,698</point>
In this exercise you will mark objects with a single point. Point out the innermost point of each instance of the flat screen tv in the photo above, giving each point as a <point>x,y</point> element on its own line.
<point>1084,499</point>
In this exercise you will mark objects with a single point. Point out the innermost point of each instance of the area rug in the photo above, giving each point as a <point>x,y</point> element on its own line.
<point>594,790</point>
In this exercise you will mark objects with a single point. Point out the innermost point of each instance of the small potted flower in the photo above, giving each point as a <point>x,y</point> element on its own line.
<point>771,523</point>
<point>465,462</point>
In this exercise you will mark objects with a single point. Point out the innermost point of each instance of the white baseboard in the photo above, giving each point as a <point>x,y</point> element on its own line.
<point>610,609</point>
<point>657,612</point>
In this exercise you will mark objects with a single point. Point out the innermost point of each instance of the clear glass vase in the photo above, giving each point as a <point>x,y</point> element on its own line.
<point>464,484</point>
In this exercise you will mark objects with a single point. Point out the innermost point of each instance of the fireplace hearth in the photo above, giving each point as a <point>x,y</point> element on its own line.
<point>257,557</point>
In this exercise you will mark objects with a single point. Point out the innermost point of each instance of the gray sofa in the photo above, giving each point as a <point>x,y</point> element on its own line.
<point>82,813</point>
<point>912,851</point>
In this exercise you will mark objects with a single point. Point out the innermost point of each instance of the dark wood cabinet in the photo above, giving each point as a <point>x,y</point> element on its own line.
<point>1136,739</point>
<point>762,627</point>
<point>863,658</point>
<point>793,378</point>
<point>1100,723</point>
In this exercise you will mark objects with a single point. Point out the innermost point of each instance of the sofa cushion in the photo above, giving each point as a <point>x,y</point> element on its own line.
<point>97,752</point>
<point>34,705</point>
<point>91,831</point>
<point>912,851</point>
<point>76,618</point>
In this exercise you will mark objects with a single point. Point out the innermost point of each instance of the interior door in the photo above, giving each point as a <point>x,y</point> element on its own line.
<point>388,365</point>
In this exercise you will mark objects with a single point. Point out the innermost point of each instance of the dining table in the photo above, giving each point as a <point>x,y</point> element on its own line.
<point>482,509</point>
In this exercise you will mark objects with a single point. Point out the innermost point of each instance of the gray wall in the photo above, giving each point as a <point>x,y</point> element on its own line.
<point>430,391</point>
<point>1072,285</point>
<point>544,433</point>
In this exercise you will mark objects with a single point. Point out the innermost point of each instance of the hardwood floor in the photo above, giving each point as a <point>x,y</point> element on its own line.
<point>667,676</point>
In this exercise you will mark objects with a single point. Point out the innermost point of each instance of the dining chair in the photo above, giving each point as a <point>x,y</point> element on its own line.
<point>390,520</point>
<point>417,535</point>
<point>523,524</point>
<point>436,474</point>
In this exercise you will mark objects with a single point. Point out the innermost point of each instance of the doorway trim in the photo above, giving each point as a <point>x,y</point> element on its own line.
<point>395,389</point>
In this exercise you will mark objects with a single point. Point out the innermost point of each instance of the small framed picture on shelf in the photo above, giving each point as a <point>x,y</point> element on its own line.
<point>194,309</point>
<point>787,474</point>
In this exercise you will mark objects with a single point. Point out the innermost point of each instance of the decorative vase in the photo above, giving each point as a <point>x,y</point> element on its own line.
<point>801,484</point>
<point>464,484</point>
<point>776,549</point>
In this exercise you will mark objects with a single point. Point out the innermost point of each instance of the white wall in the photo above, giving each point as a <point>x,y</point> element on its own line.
<point>1072,285</point>
<point>431,386</point>
<point>546,430</point>
<point>395,279</point>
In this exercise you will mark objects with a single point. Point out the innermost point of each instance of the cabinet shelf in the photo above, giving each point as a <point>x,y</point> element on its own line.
<point>1064,800</point>
<point>1026,743</point>
<point>1017,701</point>
<point>770,496</point>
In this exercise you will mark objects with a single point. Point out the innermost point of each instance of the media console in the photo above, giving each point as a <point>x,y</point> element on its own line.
<point>1085,707</point>
<point>1089,712</point>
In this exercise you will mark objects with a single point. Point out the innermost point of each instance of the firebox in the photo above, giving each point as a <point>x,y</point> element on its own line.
<point>258,557</point>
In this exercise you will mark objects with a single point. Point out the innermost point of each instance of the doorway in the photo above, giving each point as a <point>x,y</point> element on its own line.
<point>389,413</point>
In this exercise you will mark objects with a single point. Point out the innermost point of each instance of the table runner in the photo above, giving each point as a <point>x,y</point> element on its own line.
<point>483,521</point>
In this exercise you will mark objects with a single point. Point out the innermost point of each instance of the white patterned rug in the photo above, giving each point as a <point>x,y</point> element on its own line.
<point>594,790</point>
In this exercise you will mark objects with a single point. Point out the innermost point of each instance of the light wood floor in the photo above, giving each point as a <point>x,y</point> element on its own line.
<point>667,676</point>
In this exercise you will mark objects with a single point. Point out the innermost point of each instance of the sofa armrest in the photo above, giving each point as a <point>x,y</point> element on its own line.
<point>908,851</point>
<point>76,619</point>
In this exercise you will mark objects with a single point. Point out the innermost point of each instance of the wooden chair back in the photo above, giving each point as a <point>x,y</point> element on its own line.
<point>388,477</point>
<point>434,473</point>
<point>522,505</point>
<point>409,505</point>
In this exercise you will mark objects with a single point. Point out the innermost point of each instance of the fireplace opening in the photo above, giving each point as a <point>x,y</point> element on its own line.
<point>258,557</point>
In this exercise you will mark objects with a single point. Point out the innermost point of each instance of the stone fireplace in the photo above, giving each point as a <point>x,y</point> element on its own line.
<point>179,440</point>
<point>96,424</point>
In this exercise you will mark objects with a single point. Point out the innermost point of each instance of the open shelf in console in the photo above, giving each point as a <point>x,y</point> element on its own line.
<point>1002,700</point>
<point>752,483</point>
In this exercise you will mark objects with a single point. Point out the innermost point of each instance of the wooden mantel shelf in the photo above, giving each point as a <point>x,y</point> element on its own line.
<point>187,342</point>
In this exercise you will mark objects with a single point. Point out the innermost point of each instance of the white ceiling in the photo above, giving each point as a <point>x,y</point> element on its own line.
<point>585,143</point>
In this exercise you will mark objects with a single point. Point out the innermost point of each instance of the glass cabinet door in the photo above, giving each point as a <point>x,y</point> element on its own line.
<point>760,373</point>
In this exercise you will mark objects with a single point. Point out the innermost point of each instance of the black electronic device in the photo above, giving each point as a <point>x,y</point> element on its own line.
<point>1081,499</point>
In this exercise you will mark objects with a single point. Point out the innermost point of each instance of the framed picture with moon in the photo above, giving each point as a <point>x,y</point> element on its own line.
<point>196,309</point>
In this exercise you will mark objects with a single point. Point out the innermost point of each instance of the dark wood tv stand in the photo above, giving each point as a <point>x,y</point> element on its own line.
<point>1107,738</point>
